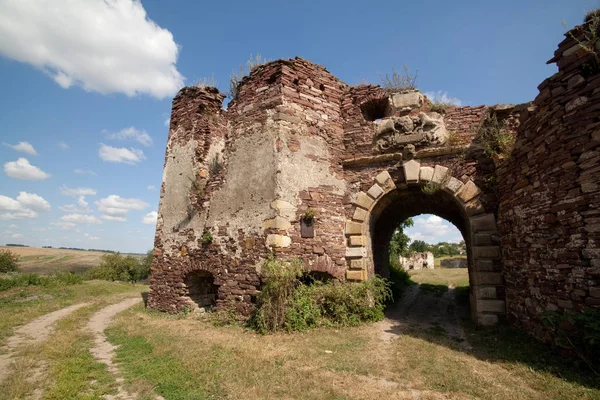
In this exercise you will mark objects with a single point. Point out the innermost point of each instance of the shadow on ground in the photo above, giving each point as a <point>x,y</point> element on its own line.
<point>440,314</point>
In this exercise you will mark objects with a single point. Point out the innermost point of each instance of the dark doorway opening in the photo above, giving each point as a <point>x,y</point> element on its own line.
<point>202,290</point>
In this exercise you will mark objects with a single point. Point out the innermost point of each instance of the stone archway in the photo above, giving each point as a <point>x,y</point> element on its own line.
<point>463,208</point>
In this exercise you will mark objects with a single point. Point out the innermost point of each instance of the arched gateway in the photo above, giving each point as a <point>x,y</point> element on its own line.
<point>305,166</point>
<point>380,209</point>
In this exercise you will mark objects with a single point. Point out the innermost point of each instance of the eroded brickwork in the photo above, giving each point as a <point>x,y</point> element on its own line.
<point>549,214</point>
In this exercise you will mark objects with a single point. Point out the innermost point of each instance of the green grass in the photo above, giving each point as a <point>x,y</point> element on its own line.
<point>57,279</point>
<point>186,357</point>
<point>346,362</point>
<point>23,304</point>
<point>70,370</point>
<point>456,277</point>
<point>169,374</point>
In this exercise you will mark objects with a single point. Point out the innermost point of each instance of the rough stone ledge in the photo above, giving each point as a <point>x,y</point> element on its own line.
<point>425,153</point>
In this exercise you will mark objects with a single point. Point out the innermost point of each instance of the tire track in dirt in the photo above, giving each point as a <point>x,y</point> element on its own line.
<point>34,332</point>
<point>104,351</point>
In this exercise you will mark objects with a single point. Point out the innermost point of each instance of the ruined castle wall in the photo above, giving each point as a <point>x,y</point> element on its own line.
<point>309,177</point>
<point>549,213</point>
<point>237,184</point>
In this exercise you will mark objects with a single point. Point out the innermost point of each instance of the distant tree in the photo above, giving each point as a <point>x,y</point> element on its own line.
<point>8,261</point>
<point>419,246</point>
<point>144,265</point>
<point>399,241</point>
<point>117,267</point>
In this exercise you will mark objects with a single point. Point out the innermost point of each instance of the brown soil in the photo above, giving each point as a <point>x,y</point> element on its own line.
<point>419,309</point>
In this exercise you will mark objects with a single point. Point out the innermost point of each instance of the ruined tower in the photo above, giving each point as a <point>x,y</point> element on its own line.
<point>296,142</point>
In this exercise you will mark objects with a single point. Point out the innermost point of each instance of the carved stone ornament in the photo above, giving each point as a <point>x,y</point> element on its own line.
<point>394,133</point>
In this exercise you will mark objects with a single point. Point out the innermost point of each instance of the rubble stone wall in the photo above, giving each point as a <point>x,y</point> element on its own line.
<point>549,189</point>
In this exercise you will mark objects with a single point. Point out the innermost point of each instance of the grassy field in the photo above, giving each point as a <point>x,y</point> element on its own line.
<point>187,357</point>
<point>45,261</point>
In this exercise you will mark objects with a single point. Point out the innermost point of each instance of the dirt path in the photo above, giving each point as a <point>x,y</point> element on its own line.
<point>420,309</point>
<point>34,332</point>
<point>104,351</point>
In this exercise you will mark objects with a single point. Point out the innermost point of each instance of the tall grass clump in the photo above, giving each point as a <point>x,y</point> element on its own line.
<point>236,77</point>
<point>495,137</point>
<point>286,304</point>
<point>12,280</point>
<point>400,81</point>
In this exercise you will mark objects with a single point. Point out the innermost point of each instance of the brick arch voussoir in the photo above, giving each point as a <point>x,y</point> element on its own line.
<point>486,276</point>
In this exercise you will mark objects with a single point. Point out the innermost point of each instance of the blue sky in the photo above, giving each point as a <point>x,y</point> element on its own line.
<point>87,86</point>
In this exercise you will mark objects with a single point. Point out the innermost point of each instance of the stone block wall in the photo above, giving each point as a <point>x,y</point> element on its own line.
<point>549,212</point>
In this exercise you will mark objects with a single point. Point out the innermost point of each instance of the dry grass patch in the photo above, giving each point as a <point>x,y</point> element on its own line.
<point>194,359</point>
<point>193,355</point>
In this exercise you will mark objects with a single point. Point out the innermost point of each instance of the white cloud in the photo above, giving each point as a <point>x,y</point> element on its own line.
<point>22,214</point>
<point>120,154</point>
<point>82,203</point>
<point>22,169</point>
<point>150,218</point>
<point>80,219</point>
<point>80,208</point>
<point>33,202</point>
<point>17,235</point>
<point>84,171</point>
<point>115,208</point>
<point>25,147</point>
<point>26,205</point>
<point>131,133</point>
<point>105,46</point>
<point>63,145</point>
<point>67,191</point>
<point>151,187</point>
<point>9,204</point>
<point>113,218</point>
<point>93,238</point>
<point>442,97</point>
<point>432,229</point>
<point>168,122</point>
<point>64,225</point>
<point>13,226</point>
